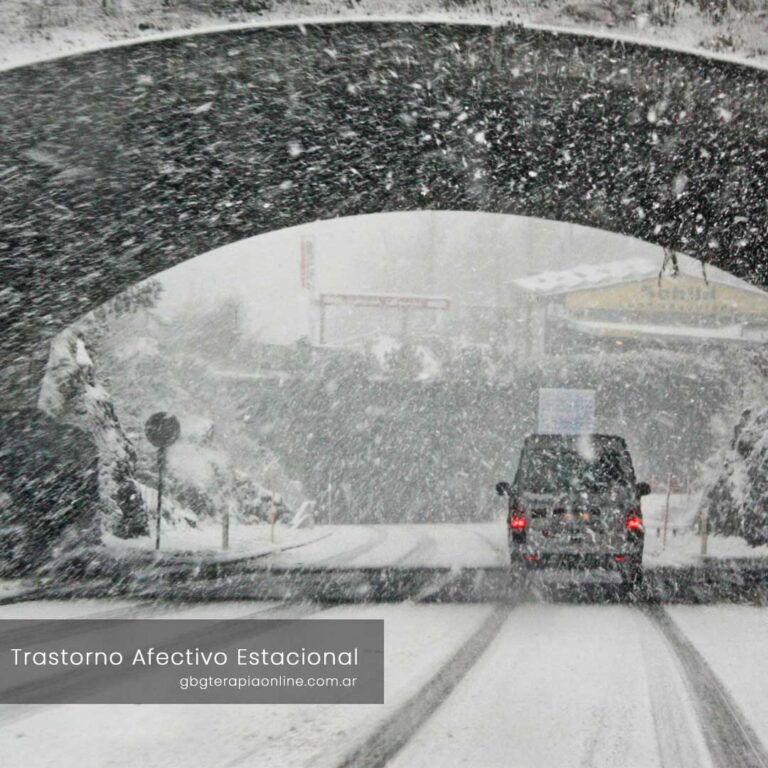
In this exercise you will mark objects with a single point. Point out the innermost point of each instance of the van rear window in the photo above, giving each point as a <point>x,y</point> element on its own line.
<point>561,468</point>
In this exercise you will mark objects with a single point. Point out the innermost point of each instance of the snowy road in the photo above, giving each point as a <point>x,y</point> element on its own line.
<point>732,642</point>
<point>424,545</point>
<point>479,545</point>
<point>530,684</point>
<point>438,562</point>
<point>566,686</point>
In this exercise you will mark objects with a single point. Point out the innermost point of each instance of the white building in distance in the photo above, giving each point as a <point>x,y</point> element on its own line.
<point>632,304</point>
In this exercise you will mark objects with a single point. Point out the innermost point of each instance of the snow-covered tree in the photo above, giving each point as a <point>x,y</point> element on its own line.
<point>736,502</point>
<point>71,393</point>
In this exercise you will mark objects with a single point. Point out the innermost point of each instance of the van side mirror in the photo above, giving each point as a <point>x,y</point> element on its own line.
<point>643,489</point>
<point>503,488</point>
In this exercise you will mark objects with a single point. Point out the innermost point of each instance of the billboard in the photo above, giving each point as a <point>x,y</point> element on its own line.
<point>385,300</point>
<point>566,411</point>
<point>679,296</point>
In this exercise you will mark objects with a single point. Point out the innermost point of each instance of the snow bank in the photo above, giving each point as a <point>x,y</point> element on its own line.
<point>204,540</point>
<point>10,588</point>
<point>683,542</point>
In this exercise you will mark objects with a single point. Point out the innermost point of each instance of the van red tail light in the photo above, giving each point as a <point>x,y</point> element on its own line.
<point>635,523</point>
<point>518,523</point>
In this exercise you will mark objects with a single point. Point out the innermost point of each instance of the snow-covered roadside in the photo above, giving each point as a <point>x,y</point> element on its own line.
<point>26,38</point>
<point>685,549</point>
<point>204,540</point>
<point>10,588</point>
<point>474,545</point>
<point>683,544</point>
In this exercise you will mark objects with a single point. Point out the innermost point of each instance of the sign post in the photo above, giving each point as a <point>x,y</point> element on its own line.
<point>276,499</point>
<point>225,527</point>
<point>162,430</point>
<point>666,514</point>
<point>406,303</point>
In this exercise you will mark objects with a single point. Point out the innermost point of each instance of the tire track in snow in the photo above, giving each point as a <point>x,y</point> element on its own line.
<point>425,546</point>
<point>679,741</point>
<point>501,550</point>
<point>730,739</point>
<point>287,548</point>
<point>395,732</point>
<point>348,556</point>
<point>443,580</point>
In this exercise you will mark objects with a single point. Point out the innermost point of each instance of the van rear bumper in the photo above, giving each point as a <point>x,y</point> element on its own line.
<point>573,561</point>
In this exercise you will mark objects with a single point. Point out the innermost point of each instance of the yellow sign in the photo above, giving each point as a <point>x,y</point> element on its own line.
<point>679,295</point>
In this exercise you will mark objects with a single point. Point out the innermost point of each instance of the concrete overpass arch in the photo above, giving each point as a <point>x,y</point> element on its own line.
<point>120,163</point>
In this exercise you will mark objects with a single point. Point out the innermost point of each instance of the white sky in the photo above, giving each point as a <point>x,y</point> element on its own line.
<point>465,255</point>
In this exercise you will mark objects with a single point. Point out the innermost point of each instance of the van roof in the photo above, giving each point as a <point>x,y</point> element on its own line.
<point>556,439</point>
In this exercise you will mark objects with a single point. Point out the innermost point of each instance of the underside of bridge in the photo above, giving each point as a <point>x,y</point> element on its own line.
<point>121,163</point>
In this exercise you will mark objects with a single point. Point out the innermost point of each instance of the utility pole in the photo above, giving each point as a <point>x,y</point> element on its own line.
<point>276,499</point>
<point>225,527</point>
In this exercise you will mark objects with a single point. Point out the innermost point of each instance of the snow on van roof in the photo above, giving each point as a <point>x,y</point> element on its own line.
<point>585,276</point>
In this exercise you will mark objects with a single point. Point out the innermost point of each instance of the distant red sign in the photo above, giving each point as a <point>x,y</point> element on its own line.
<point>403,301</point>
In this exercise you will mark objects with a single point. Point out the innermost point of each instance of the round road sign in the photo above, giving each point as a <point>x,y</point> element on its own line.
<point>162,429</point>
